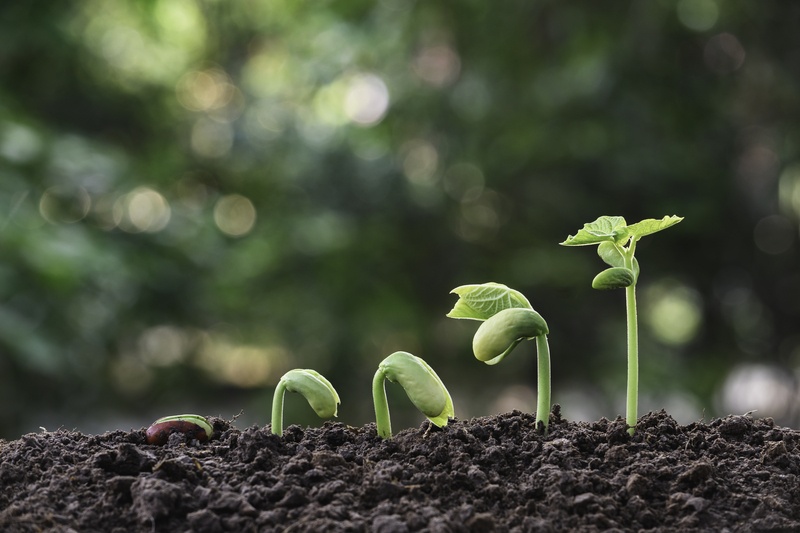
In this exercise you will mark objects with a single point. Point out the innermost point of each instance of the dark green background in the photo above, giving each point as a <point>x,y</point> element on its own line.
<point>124,127</point>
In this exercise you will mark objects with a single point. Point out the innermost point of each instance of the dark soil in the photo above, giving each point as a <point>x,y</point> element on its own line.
<point>487,474</point>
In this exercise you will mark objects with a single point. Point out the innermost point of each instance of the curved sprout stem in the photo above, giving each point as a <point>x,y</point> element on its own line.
<point>382,419</point>
<point>277,408</point>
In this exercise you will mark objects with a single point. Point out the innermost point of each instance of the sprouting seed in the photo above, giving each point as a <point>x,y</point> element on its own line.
<point>193,426</point>
<point>318,392</point>
<point>423,387</point>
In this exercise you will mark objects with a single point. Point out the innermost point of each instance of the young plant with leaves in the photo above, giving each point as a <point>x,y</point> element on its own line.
<point>508,319</point>
<point>317,390</point>
<point>423,387</point>
<point>616,246</point>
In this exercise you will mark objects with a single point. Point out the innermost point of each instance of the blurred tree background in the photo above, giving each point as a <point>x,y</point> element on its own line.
<point>199,195</point>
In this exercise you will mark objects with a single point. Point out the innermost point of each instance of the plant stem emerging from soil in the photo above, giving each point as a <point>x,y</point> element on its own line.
<point>632,406</point>
<point>543,385</point>
<point>277,409</point>
<point>632,393</point>
<point>382,419</point>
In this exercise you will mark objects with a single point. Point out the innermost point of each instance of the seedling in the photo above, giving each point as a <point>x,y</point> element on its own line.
<point>508,319</point>
<point>423,387</point>
<point>317,390</point>
<point>616,242</point>
<point>193,426</point>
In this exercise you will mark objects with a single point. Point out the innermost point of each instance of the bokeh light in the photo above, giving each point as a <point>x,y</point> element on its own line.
<point>211,139</point>
<point>744,311</point>
<point>698,15</point>
<point>324,232</point>
<point>764,389</point>
<point>235,215</point>
<point>366,99</point>
<point>142,210</point>
<point>789,190</point>
<point>64,204</point>
<point>19,143</point>
<point>481,216</point>
<point>239,364</point>
<point>672,311</point>
<point>464,182</point>
<point>774,234</point>
<point>163,345</point>
<point>724,53</point>
<point>519,397</point>
<point>438,65</point>
<point>205,90</point>
<point>420,163</point>
<point>135,50</point>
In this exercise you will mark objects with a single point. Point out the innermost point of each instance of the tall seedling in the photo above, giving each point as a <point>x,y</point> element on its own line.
<point>616,246</point>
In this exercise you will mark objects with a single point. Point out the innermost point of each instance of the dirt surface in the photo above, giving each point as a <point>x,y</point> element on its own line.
<point>486,474</point>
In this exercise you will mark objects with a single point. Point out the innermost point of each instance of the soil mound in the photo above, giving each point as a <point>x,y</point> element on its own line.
<point>487,474</point>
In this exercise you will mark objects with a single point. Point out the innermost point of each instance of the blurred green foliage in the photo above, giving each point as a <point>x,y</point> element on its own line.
<point>198,195</point>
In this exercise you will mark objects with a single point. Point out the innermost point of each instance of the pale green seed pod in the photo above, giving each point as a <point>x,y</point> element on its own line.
<point>317,390</point>
<point>613,278</point>
<point>423,387</point>
<point>500,333</point>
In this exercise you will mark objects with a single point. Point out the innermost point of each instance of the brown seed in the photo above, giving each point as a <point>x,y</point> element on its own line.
<point>159,432</point>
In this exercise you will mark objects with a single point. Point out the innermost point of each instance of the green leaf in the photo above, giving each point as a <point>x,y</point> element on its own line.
<point>612,256</point>
<point>652,225</point>
<point>479,302</point>
<point>604,229</point>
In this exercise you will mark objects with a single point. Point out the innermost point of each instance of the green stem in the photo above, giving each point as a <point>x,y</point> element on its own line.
<point>633,358</point>
<point>382,419</point>
<point>632,401</point>
<point>277,409</point>
<point>543,401</point>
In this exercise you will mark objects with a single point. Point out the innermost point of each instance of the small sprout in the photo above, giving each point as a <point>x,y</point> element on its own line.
<point>193,426</point>
<point>423,387</point>
<point>508,319</point>
<point>317,390</point>
<point>616,246</point>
